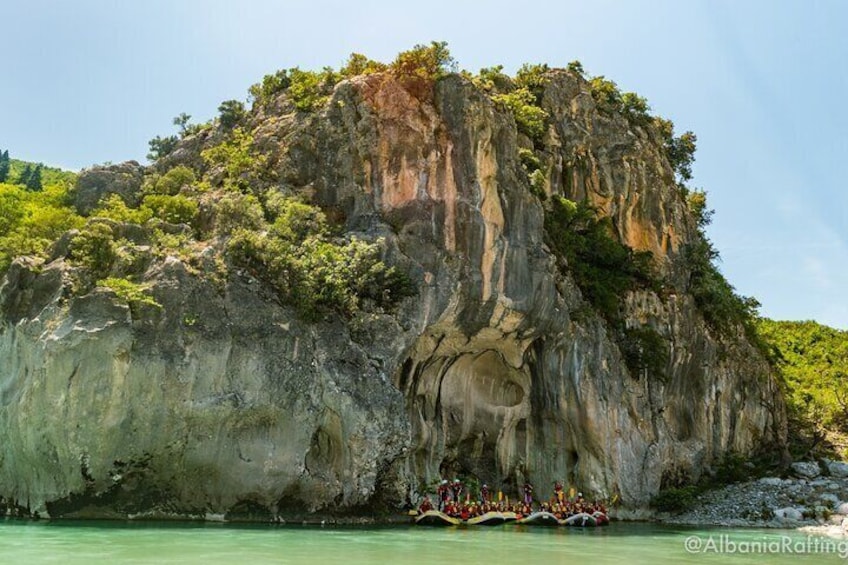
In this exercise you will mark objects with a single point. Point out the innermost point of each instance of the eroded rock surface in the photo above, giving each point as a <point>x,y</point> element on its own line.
<point>222,401</point>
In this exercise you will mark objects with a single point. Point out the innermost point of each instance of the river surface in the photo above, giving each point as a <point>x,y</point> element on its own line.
<point>33,543</point>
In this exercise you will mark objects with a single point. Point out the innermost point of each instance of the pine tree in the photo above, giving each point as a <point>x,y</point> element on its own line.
<point>25,174</point>
<point>34,181</point>
<point>4,165</point>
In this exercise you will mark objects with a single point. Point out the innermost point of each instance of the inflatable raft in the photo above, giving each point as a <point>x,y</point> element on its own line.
<point>540,519</point>
<point>487,519</point>
<point>584,520</point>
<point>436,518</point>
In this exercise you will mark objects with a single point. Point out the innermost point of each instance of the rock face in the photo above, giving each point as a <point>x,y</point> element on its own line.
<point>96,183</point>
<point>222,401</point>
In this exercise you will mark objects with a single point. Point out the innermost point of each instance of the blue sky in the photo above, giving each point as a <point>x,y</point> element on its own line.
<point>762,84</point>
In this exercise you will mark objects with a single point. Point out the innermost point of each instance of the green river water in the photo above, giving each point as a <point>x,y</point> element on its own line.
<point>33,543</point>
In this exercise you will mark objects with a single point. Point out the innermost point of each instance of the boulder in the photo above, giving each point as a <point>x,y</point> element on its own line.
<point>789,514</point>
<point>94,184</point>
<point>838,469</point>
<point>841,508</point>
<point>771,481</point>
<point>831,499</point>
<point>806,469</point>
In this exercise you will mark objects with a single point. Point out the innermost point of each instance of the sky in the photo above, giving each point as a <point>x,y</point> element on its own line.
<point>761,83</point>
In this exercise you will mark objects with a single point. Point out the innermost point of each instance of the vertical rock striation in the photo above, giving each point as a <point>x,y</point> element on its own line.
<point>223,402</point>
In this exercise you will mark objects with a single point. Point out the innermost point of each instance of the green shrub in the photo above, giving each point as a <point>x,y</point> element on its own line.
<point>114,208</point>
<point>697,203</point>
<point>426,62</point>
<point>230,114</point>
<point>270,86</point>
<point>308,88</point>
<point>172,209</point>
<point>358,64</point>
<point>128,291</point>
<point>722,308</point>
<point>813,361</point>
<point>240,163</point>
<point>533,78</point>
<point>645,351</point>
<point>31,220</point>
<point>161,147</point>
<point>635,108</point>
<point>537,184</point>
<point>171,182</point>
<point>680,151</point>
<point>317,275</point>
<point>529,160</point>
<point>603,268</point>
<point>530,119</point>
<point>94,249</point>
<point>294,221</point>
<point>675,500</point>
<point>576,67</point>
<point>732,468</point>
<point>491,79</point>
<point>611,100</point>
<point>606,94</point>
<point>238,211</point>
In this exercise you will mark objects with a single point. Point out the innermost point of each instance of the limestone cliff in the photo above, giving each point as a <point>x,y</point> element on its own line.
<point>223,401</point>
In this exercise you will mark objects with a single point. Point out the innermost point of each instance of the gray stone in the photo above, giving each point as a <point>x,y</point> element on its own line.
<point>838,469</point>
<point>771,481</point>
<point>95,184</point>
<point>831,499</point>
<point>789,514</point>
<point>806,469</point>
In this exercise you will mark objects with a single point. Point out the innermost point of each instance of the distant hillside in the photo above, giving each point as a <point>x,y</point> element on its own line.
<point>49,175</point>
<point>813,360</point>
<point>32,219</point>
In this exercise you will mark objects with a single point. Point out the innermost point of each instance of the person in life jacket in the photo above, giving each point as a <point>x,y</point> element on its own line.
<point>444,494</point>
<point>558,494</point>
<point>528,494</point>
<point>456,487</point>
<point>425,506</point>
<point>484,494</point>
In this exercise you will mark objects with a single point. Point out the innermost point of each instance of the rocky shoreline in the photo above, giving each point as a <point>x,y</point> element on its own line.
<point>813,498</point>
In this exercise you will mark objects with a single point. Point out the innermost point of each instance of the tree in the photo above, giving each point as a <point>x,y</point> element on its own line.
<point>33,182</point>
<point>681,154</point>
<point>4,165</point>
<point>25,174</point>
<point>182,121</point>
<point>231,113</point>
<point>427,62</point>
<point>576,67</point>
<point>161,146</point>
<point>359,64</point>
